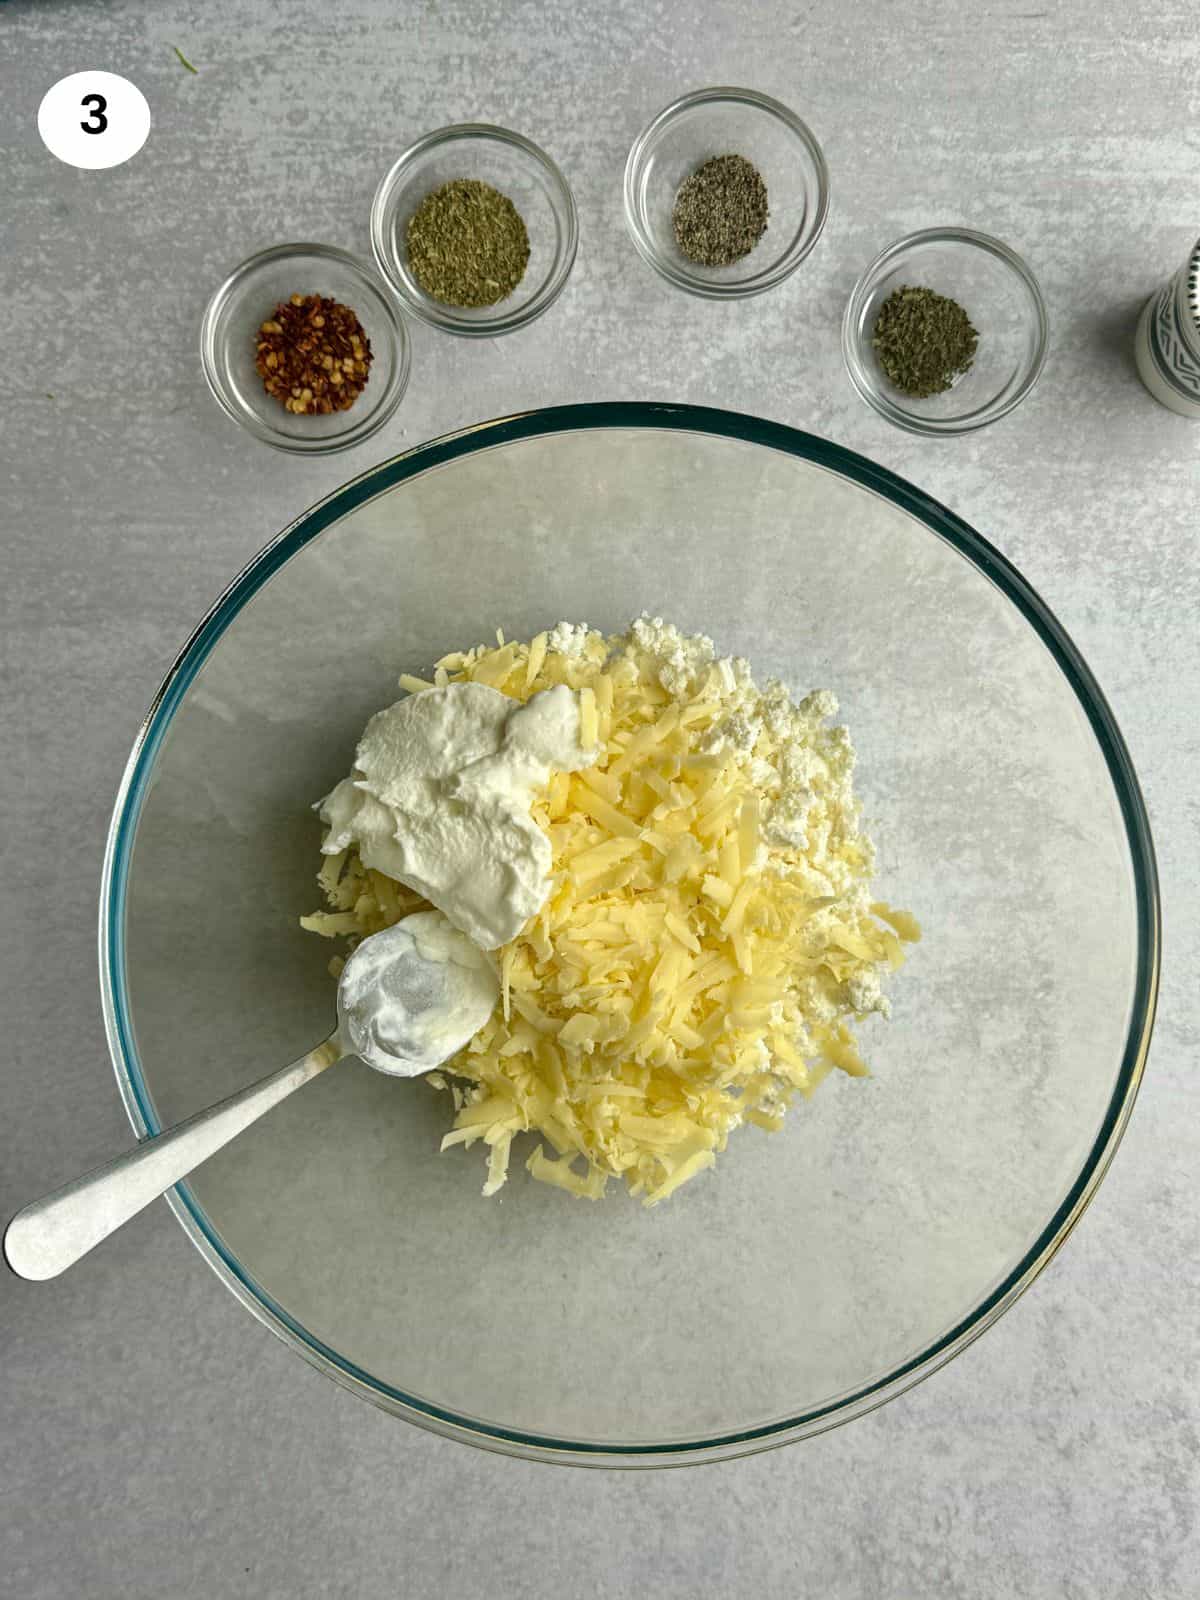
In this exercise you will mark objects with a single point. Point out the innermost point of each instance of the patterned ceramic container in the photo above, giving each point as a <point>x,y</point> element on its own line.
<point>1168,340</point>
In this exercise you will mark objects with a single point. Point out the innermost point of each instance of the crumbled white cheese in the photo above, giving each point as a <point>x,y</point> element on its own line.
<point>737,732</point>
<point>682,658</point>
<point>568,638</point>
<point>819,705</point>
<point>764,776</point>
<point>865,995</point>
<point>785,825</point>
<point>808,785</point>
<point>815,1000</point>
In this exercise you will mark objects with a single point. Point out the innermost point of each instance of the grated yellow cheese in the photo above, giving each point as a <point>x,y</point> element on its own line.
<point>589,721</point>
<point>537,655</point>
<point>905,924</point>
<point>689,972</point>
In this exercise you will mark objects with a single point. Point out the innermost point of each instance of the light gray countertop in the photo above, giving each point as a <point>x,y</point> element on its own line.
<point>153,1439</point>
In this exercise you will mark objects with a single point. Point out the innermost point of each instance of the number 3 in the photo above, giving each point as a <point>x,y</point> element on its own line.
<point>97,121</point>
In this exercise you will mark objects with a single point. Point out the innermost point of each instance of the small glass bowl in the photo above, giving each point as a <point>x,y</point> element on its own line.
<point>717,122</point>
<point>999,294</point>
<point>247,298</point>
<point>520,170</point>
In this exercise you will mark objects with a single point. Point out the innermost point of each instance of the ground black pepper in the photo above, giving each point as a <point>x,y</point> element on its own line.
<point>720,211</point>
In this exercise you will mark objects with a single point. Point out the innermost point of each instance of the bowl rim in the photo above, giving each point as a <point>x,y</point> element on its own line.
<point>672,271</point>
<point>356,431</point>
<point>445,317</point>
<point>879,399</point>
<point>942,523</point>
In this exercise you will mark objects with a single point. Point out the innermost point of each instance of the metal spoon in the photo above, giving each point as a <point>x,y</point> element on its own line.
<point>408,998</point>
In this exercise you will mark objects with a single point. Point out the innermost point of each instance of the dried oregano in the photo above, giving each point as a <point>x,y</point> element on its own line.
<point>467,244</point>
<point>923,341</point>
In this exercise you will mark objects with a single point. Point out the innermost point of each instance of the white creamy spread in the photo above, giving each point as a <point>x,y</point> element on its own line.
<point>413,995</point>
<point>441,799</point>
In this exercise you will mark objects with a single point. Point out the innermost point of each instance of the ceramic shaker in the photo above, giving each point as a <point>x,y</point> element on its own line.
<point>1168,340</point>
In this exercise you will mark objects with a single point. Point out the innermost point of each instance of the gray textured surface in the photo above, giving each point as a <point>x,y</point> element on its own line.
<point>153,1440</point>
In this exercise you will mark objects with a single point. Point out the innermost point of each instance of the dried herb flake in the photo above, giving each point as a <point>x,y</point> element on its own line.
<point>923,341</point>
<point>467,244</point>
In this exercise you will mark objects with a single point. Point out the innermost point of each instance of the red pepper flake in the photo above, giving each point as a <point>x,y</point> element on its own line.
<point>312,355</point>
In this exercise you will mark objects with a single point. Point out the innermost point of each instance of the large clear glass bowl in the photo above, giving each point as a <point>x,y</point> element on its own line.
<point>813,1273</point>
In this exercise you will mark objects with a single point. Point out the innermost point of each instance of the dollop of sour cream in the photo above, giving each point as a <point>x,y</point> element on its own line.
<point>411,996</point>
<point>441,798</point>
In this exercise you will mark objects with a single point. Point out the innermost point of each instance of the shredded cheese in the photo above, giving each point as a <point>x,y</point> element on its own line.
<point>690,970</point>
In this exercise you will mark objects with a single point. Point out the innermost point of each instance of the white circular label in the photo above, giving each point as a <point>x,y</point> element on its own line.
<point>94,119</point>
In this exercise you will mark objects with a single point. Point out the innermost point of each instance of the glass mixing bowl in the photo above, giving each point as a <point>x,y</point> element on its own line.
<point>813,1273</point>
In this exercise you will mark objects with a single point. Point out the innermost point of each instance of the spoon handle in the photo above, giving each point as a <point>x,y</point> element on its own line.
<point>51,1234</point>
